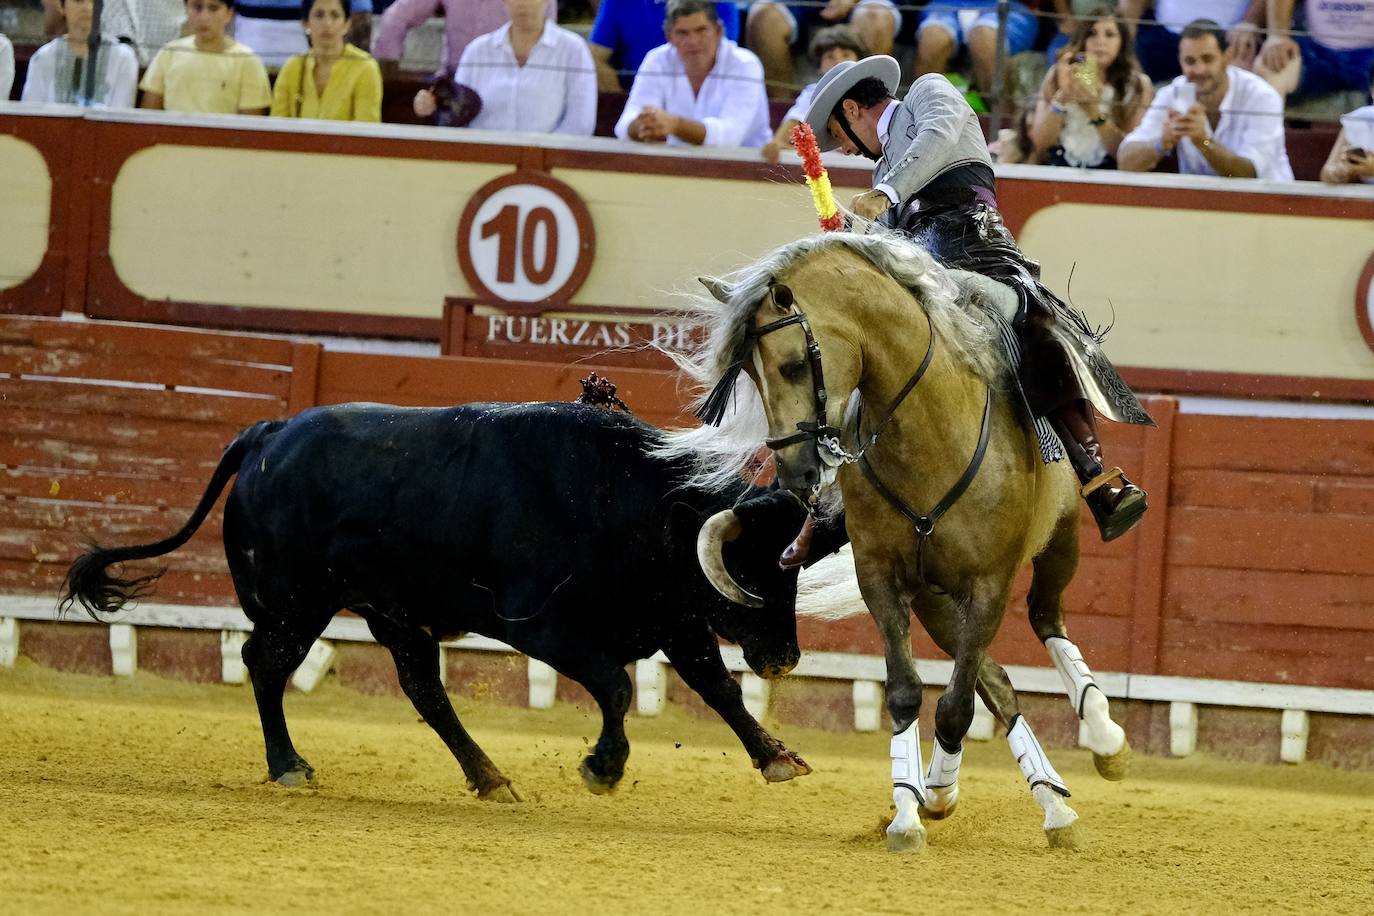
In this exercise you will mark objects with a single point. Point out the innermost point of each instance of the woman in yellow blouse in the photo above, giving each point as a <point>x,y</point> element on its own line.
<point>335,81</point>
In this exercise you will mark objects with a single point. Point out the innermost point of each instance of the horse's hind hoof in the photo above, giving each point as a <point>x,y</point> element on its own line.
<point>1114,767</point>
<point>502,794</point>
<point>595,782</point>
<point>1070,837</point>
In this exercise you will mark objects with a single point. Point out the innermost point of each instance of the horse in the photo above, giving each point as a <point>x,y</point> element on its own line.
<point>901,334</point>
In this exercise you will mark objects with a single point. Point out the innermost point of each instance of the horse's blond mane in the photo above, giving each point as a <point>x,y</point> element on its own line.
<point>721,453</point>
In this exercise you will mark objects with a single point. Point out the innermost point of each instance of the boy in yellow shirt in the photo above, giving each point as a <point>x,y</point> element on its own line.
<point>207,72</point>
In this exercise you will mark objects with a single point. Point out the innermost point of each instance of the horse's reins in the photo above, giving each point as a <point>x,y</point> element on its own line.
<point>827,437</point>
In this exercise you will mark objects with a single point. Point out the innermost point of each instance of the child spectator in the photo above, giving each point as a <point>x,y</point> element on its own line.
<point>1352,155</point>
<point>828,48</point>
<point>625,32</point>
<point>335,81</point>
<point>1334,55</point>
<point>57,71</point>
<point>698,89</point>
<point>1093,97</point>
<point>464,20</point>
<point>207,71</point>
<point>529,75</point>
<point>772,27</point>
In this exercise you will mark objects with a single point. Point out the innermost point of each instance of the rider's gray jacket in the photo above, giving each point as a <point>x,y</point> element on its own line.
<point>931,131</point>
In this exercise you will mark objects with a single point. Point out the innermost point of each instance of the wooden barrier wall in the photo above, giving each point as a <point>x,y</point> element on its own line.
<point>1253,564</point>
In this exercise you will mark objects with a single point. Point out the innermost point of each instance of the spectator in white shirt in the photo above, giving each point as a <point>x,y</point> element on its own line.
<point>530,75</point>
<point>1221,120</point>
<point>700,88</point>
<point>6,68</point>
<point>57,71</point>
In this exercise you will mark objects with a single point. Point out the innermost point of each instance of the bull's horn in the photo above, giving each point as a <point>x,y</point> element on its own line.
<point>716,288</point>
<point>719,528</point>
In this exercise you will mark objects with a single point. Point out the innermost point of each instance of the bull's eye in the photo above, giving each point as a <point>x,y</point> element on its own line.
<point>794,370</point>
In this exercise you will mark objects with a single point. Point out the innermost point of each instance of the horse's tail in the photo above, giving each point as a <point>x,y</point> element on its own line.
<point>829,589</point>
<point>101,592</point>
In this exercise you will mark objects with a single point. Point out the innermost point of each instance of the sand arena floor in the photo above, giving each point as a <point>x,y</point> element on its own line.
<point>145,795</point>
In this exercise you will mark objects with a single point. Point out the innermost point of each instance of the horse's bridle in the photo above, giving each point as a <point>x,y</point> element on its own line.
<point>827,437</point>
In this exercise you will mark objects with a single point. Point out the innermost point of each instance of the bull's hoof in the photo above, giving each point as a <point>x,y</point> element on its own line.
<point>787,765</point>
<point>594,781</point>
<point>299,776</point>
<point>503,793</point>
<point>1114,767</point>
<point>1070,837</point>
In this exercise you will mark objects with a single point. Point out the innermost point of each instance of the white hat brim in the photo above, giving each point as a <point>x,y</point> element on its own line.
<point>840,80</point>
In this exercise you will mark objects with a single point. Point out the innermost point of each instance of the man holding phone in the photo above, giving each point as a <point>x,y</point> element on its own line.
<point>1218,119</point>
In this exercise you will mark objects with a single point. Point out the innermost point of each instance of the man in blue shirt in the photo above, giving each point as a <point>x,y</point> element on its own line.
<point>626,30</point>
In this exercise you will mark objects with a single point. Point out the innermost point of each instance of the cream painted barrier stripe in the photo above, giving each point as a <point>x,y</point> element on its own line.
<point>828,665</point>
<point>25,210</point>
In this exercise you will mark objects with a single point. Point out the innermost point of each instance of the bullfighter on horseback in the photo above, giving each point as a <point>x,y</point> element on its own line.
<point>934,181</point>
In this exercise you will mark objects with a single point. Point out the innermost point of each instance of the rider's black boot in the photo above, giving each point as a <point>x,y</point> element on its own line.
<point>1116,509</point>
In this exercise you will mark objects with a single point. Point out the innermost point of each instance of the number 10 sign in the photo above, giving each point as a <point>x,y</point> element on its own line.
<point>525,239</point>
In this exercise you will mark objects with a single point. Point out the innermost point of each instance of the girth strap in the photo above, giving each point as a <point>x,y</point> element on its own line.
<point>925,524</point>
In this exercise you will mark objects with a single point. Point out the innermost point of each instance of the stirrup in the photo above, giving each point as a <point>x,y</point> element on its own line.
<point>1101,480</point>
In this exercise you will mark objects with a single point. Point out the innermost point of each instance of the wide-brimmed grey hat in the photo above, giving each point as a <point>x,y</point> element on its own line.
<point>839,80</point>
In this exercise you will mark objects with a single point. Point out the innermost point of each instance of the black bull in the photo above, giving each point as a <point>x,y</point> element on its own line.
<point>546,526</point>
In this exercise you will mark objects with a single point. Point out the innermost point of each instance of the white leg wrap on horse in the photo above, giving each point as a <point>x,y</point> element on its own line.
<point>907,773</point>
<point>1030,757</point>
<point>942,779</point>
<point>908,788</point>
<point>1105,737</point>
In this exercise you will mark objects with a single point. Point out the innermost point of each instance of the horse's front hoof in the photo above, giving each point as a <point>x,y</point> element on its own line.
<point>594,781</point>
<point>1114,767</point>
<point>913,840</point>
<point>787,765</point>
<point>1070,837</point>
<point>503,794</point>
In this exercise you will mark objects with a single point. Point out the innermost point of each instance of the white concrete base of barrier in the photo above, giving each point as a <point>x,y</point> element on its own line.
<point>1182,728</point>
<point>123,649</point>
<point>318,661</point>
<point>543,685</point>
<point>9,642</point>
<point>867,674</point>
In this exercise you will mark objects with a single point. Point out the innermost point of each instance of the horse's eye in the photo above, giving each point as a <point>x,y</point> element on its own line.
<point>794,370</point>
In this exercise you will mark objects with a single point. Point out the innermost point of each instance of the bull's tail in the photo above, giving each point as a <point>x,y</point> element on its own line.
<point>101,592</point>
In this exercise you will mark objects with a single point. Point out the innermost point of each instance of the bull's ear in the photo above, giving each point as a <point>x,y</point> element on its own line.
<point>717,288</point>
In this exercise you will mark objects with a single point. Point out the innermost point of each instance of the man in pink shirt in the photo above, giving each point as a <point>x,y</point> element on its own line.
<point>464,20</point>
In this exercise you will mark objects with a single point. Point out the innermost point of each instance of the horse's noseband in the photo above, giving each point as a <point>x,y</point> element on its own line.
<point>817,429</point>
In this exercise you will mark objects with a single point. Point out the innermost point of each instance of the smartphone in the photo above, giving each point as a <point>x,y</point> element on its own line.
<point>1185,97</point>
